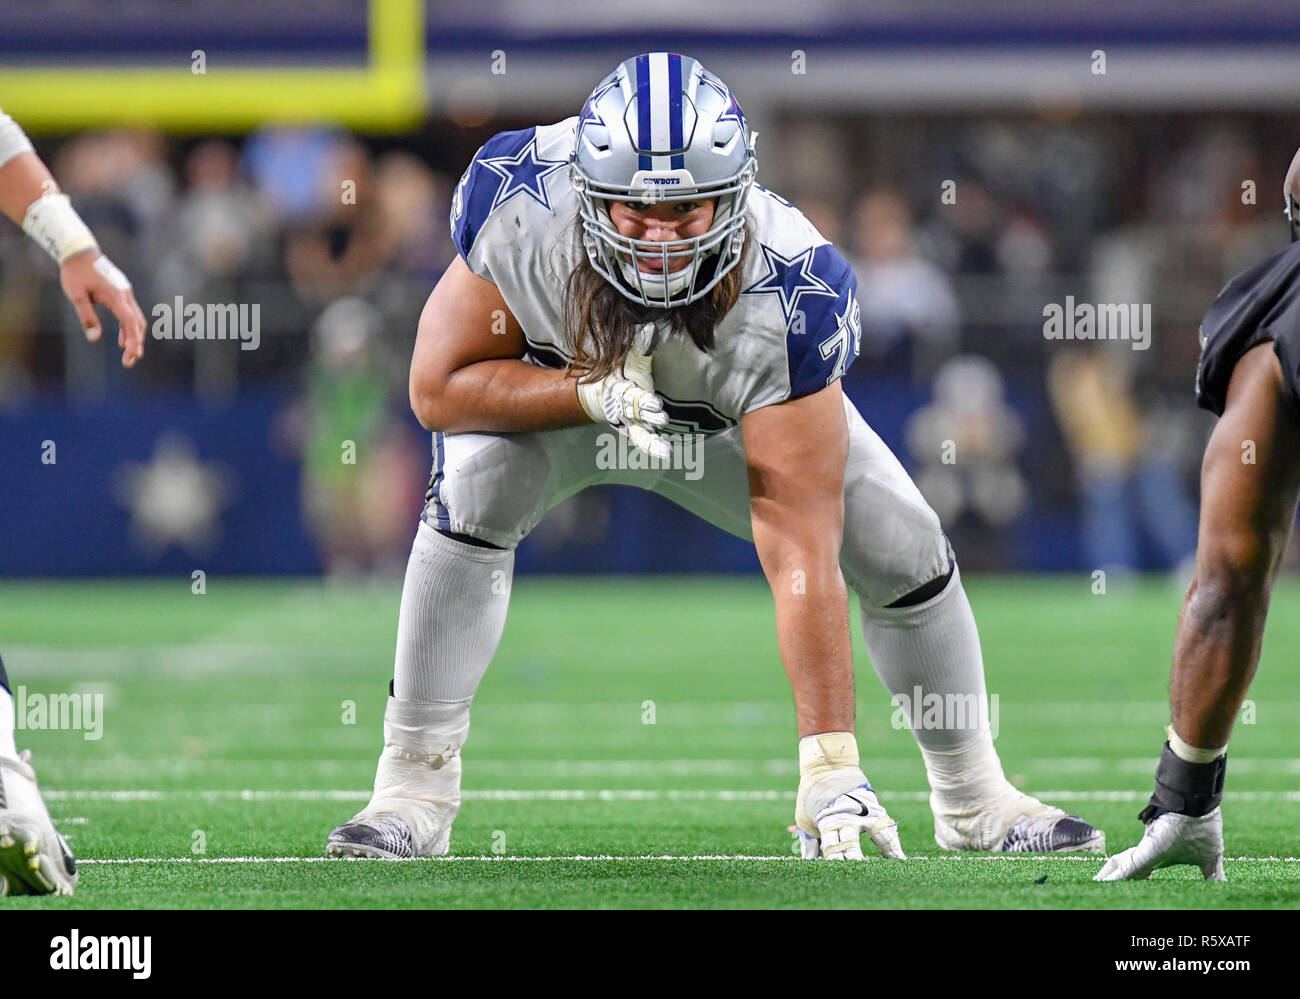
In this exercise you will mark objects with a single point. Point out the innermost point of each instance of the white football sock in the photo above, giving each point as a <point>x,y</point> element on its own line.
<point>935,646</point>
<point>454,604</point>
<point>7,747</point>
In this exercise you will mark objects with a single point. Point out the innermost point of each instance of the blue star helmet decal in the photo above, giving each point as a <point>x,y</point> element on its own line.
<point>589,109</point>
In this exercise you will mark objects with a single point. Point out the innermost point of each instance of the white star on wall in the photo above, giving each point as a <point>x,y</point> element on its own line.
<point>174,498</point>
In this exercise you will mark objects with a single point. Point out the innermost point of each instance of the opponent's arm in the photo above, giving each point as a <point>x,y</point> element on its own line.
<point>30,196</point>
<point>467,372</point>
<point>796,453</point>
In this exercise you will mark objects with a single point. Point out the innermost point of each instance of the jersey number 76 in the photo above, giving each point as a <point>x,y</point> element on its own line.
<point>846,334</point>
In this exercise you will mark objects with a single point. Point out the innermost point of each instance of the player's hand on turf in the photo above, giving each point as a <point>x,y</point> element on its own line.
<point>1172,839</point>
<point>626,399</point>
<point>89,278</point>
<point>841,823</point>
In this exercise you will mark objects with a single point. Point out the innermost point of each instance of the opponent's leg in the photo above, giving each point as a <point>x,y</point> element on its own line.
<point>34,858</point>
<point>1250,484</point>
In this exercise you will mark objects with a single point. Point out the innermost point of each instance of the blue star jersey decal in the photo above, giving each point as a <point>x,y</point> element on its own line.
<point>522,172</point>
<point>816,291</point>
<point>789,278</point>
<point>507,165</point>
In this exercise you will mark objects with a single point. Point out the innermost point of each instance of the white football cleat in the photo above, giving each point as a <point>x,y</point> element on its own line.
<point>34,858</point>
<point>1172,839</point>
<point>417,786</point>
<point>1018,823</point>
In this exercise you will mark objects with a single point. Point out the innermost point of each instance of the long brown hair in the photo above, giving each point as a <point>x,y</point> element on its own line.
<point>601,322</point>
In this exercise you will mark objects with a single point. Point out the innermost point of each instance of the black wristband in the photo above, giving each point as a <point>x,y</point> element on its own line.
<point>1186,788</point>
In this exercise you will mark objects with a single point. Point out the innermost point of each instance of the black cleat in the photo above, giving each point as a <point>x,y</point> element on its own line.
<point>1013,823</point>
<point>1055,832</point>
<point>381,838</point>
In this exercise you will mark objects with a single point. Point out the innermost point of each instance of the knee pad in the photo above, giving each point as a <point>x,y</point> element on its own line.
<point>493,487</point>
<point>926,591</point>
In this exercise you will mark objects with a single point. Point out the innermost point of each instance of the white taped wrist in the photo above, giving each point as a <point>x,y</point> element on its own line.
<point>591,396</point>
<point>826,751</point>
<point>602,401</point>
<point>828,766</point>
<point>56,227</point>
<point>1191,754</point>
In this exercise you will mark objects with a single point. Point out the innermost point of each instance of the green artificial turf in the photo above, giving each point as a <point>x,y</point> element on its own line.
<point>241,725</point>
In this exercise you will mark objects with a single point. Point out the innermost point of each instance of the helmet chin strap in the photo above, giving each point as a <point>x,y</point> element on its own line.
<point>670,285</point>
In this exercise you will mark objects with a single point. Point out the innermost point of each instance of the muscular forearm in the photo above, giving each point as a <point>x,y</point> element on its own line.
<point>812,625</point>
<point>23,179</point>
<point>31,198</point>
<point>501,395</point>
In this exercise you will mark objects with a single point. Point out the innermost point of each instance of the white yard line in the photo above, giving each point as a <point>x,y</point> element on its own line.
<point>582,858</point>
<point>589,794</point>
<point>1041,769</point>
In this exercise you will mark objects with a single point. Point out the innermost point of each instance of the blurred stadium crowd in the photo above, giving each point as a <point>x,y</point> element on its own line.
<point>1067,454</point>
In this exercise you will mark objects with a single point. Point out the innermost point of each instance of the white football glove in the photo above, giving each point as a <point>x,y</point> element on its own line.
<point>626,399</point>
<point>1172,839</point>
<point>835,804</point>
<point>840,826</point>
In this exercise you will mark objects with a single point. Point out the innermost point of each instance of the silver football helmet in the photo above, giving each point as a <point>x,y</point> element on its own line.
<point>662,128</point>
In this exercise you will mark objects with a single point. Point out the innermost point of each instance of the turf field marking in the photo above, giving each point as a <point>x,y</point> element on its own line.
<point>584,794</point>
<point>598,858</point>
<point>146,768</point>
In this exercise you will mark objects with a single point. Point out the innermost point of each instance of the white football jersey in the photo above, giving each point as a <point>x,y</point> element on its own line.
<point>794,330</point>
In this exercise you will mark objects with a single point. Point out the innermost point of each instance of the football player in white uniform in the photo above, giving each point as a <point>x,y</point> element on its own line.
<point>622,268</point>
<point>34,858</point>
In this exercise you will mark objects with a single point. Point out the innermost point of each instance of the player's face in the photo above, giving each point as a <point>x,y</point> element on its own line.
<point>662,222</point>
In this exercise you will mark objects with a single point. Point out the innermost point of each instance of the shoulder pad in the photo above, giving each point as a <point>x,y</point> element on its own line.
<point>507,166</point>
<point>816,291</point>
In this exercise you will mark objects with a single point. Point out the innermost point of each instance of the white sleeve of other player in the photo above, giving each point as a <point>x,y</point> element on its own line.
<point>13,140</point>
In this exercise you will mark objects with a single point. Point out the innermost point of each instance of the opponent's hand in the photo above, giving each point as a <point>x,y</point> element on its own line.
<point>626,399</point>
<point>89,278</point>
<point>840,826</point>
<point>1172,839</point>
